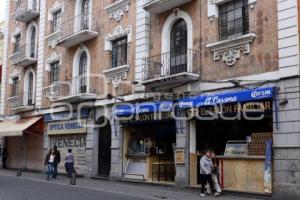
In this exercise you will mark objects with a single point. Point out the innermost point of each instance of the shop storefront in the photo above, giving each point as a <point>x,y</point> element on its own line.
<point>149,139</point>
<point>69,131</point>
<point>238,126</point>
<point>24,139</point>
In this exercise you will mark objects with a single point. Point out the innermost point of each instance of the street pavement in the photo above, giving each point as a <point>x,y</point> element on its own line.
<point>34,186</point>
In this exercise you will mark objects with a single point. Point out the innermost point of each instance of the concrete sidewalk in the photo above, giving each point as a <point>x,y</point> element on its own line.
<point>119,187</point>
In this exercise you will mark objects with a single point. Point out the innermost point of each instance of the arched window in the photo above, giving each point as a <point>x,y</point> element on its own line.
<point>83,73</point>
<point>32,42</point>
<point>30,89</point>
<point>85,14</point>
<point>178,47</point>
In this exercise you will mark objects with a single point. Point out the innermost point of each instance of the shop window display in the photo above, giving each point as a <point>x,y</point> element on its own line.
<point>149,153</point>
<point>240,146</point>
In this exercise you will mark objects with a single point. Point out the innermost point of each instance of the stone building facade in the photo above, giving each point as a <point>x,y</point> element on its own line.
<point>64,56</point>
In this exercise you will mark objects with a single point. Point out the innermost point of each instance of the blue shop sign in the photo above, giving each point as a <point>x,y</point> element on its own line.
<point>66,115</point>
<point>124,110</point>
<point>227,98</point>
<point>145,107</point>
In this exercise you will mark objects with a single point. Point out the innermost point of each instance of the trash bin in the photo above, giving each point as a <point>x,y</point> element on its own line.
<point>19,172</point>
<point>73,179</point>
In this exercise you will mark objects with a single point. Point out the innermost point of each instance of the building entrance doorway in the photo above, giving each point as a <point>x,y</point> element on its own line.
<point>104,154</point>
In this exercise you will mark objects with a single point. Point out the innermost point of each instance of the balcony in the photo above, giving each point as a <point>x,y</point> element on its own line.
<point>25,11</point>
<point>160,6</point>
<point>74,91</point>
<point>77,30</point>
<point>24,56</point>
<point>20,103</point>
<point>169,70</point>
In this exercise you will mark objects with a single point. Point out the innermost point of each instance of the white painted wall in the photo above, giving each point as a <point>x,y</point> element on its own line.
<point>41,54</point>
<point>5,57</point>
<point>142,38</point>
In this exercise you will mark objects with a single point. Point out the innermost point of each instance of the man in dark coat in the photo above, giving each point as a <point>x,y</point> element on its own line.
<point>56,160</point>
<point>4,157</point>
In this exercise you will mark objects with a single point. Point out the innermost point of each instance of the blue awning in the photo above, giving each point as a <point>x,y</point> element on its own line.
<point>127,109</point>
<point>230,97</point>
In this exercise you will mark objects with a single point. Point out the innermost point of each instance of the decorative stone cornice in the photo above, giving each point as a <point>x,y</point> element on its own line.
<point>212,6</point>
<point>118,9</point>
<point>116,75</point>
<point>230,50</point>
<point>118,32</point>
<point>53,57</point>
<point>57,6</point>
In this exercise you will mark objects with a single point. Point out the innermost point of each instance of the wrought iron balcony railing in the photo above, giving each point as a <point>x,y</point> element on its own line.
<point>24,55</point>
<point>78,86</point>
<point>21,101</point>
<point>26,10</point>
<point>78,29</point>
<point>170,63</point>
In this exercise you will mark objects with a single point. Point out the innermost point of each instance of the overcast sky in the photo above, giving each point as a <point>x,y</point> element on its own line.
<point>2,9</point>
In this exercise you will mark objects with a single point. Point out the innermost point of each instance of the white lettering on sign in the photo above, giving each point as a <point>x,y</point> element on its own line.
<point>262,93</point>
<point>187,103</point>
<point>78,145</point>
<point>217,100</point>
<point>67,127</point>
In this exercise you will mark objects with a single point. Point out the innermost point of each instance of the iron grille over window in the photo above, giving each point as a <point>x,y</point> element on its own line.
<point>56,20</point>
<point>15,86</point>
<point>85,14</point>
<point>30,89</point>
<point>54,73</point>
<point>34,4</point>
<point>17,43</point>
<point>119,52</point>
<point>32,42</point>
<point>178,47</point>
<point>234,19</point>
<point>82,73</point>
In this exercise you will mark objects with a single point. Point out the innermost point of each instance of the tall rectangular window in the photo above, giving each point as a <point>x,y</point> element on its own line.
<point>56,21</point>
<point>54,73</point>
<point>17,43</point>
<point>15,86</point>
<point>119,52</point>
<point>233,19</point>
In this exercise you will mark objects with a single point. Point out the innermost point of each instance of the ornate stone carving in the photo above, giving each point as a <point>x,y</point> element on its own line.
<point>53,39</point>
<point>118,32</point>
<point>116,75</point>
<point>118,9</point>
<point>56,7</point>
<point>230,50</point>
<point>15,74</point>
<point>53,57</point>
<point>230,55</point>
<point>52,92</point>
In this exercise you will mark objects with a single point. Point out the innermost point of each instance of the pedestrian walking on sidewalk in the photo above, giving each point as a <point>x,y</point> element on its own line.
<point>215,172</point>
<point>4,158</point>
<point>206,167</point>
<point>69,163</point>
<point>49,162</point>
<point>56,161</point>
